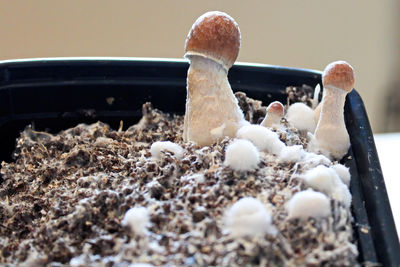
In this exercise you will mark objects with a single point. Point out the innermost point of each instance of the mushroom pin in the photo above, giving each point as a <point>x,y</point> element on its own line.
<point>275,112</point>
<point>331,134</point>
<point>212,111</point>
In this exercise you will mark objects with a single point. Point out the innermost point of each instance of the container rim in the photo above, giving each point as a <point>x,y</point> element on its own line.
<point>145,59</point>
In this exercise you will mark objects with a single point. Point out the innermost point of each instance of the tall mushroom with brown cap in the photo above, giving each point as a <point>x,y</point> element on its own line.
<point>331,134</point>
<point>212,111</point>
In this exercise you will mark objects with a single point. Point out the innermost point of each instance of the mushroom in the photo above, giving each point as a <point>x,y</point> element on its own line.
<point>331,137</point>
<point>317,112</point>
<point>212,111</point>
<point>275,112</point>
<point>315,105</point>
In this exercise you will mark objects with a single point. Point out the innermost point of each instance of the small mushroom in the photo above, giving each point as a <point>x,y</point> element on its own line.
<point>314,102</point>
<point>331,135</point>
<point>315,105</point>
<point>212,111</point>
<point>275,112</point>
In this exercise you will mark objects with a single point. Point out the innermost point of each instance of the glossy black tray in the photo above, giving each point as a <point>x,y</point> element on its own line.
<point>55,94</point>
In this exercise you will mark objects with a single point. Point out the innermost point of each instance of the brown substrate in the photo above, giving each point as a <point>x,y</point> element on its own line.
<point>65,197</point>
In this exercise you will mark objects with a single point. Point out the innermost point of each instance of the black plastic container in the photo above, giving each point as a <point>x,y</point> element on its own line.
<point>55,94</point>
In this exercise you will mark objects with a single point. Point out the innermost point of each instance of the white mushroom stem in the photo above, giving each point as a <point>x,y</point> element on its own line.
<point>317,90</point>
<point>331,137</point>
<point>315,105</point>
<point>331,132</point>
<point>212,111</point>
<point>317,112</point>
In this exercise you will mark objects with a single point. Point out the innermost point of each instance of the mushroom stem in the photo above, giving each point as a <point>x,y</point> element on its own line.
<point>212,110</point>
<point>331,130</point>
<point>331,137</point>
<point>335,99</point>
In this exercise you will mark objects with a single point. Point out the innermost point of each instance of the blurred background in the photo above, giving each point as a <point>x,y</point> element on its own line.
<point>304,34</point>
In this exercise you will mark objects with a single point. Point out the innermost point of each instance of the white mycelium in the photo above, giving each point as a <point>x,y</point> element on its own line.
<point>242,155</point>
<point>249,217</point>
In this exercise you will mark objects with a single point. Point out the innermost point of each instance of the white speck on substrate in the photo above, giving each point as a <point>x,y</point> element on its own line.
<point>197,178</point>
<point>292,153</point>
<point>137,219</point>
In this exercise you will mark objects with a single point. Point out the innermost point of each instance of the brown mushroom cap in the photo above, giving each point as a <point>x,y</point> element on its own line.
<point>275,107</point>
<point>340,75</point>
<point>214,35</point>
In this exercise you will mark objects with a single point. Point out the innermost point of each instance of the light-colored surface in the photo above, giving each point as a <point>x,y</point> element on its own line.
<point>388,146</point>
<point>306,34</point>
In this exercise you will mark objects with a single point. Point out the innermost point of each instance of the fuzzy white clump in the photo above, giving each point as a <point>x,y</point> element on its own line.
<point>342,194</point>
<point>312,160</point>
<point>263,138</point>
<point>159,146</point>
<point>326,180</point>
<point>301,116</point>
<point>137,219</point>
<point>307,204</point>
<point>242,155</point>
<point>321,178</point>
<point>249,217</point>
<point>343,172</point>
<point>292,153</point>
